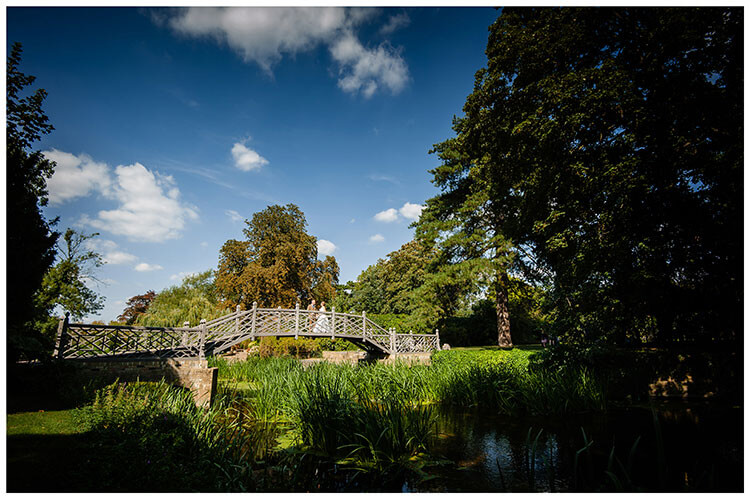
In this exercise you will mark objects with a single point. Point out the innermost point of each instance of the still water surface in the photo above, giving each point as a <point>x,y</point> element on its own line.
<point>690,447</point>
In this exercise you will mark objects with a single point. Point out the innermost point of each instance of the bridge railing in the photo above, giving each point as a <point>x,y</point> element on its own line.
<point>81,341</point>
<point>77,341</point>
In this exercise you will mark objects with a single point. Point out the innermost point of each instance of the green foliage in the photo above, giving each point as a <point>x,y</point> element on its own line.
<point>30,240</point>
<point>195,299</point>
<point>277,264</point>
<point>158,440</point>
<point>301,348</point>
<point>403,323</point>
<point>603,149</point>
<point>64,285</point>
<point>388,286</point>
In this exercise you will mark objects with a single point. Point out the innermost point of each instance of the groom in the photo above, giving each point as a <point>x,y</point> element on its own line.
<point>311,316</point>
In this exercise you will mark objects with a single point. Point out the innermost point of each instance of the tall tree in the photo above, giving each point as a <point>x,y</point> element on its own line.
<point>389,286</point>
<point>277,263</point>
<point>606,144</point>
<point>65,285</point>
<point>30,239</point>
<point>136,306</point>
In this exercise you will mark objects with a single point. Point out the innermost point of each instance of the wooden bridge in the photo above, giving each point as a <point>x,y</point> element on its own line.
<point>94,341</point>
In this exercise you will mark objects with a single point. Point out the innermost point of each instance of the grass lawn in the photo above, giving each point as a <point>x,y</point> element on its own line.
<point>43,448</point>
<point>535,347</point>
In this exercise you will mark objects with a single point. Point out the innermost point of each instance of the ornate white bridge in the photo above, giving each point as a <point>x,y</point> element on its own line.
<point>87,341</point>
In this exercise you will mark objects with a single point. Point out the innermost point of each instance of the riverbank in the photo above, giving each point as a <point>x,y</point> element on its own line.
<point>474,420</point>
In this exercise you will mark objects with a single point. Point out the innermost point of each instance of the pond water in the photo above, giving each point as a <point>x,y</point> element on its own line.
<point>666,446</point>
<point>689,447</point>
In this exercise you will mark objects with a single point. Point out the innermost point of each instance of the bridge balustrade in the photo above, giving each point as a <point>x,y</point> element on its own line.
<point>80,341</point>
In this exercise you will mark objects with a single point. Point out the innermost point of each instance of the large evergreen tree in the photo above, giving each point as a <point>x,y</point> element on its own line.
<point>603,149</point>
<point>30,239</point>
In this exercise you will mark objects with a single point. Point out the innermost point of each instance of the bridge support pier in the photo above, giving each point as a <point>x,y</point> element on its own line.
<point>192,374</point>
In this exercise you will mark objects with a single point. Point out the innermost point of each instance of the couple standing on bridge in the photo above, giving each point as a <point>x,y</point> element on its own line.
<point>321,324</point>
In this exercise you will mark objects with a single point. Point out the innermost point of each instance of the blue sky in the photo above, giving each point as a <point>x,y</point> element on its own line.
<point>172,126</point>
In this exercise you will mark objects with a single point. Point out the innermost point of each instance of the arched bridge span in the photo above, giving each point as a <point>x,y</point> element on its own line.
<point>87,341</point>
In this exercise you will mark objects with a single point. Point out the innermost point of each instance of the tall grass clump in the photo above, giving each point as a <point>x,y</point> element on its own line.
<point>154,438</point>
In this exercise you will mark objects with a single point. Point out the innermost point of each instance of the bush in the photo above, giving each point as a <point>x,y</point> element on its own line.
<point>403,323</point>
<point>301,348</point>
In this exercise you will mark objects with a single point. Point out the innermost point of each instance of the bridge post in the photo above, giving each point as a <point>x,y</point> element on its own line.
<point>185,333</point>
<point>393,340</point>
<point>437,339</point>
<point>202,344</point>
<point>333,323</point>
<point>237,321</point>
<point>255,313</point>
<point>296,321</point>
<point>278,321</point>
<point>364,324</point>
<point>62,327</point>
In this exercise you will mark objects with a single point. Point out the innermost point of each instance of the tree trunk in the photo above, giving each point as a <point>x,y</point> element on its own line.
<point>501,308</point>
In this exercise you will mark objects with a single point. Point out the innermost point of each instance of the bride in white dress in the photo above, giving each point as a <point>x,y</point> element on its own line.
<point>321,325</point>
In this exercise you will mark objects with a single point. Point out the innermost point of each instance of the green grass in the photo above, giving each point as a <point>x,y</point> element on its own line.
<point>43,423</point>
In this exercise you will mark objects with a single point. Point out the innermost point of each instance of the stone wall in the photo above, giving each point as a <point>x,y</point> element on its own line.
<point>345,357</point>
<point>409,358</point>
<point>193,374</point>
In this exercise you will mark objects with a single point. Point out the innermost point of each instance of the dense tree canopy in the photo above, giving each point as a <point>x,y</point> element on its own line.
<point>30,240</point>
<point>601,151</point>
<point>277,264</point>
<point>388,286</point>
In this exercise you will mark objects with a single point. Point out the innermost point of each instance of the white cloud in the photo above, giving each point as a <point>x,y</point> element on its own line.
<point>326,247</point>
<point>150,207</point>
<point>352,220</point>
<point>387,216</point>
<point>265,35</point>
<point>411,211</point>
<point>119,258</point>
<point>110,251</point>
<point>147,267</point>
<point>394,23</point>
<point>235,216</point>
<point>204,244</point>
<point>75,176</point>
<point>377,238</point>
<point>368,69</point>
<point>246,159</point>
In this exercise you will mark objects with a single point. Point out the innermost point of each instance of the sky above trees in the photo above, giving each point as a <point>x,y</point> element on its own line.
<point>173,126</point>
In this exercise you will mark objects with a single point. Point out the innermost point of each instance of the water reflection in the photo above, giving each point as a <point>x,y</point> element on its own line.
<point>688,447</point>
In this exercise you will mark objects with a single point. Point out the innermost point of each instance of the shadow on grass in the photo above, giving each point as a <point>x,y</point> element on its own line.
<point>50,463</point>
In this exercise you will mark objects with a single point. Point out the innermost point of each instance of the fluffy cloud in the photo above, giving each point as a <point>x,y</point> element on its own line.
<point>326,247</point>
<point>264,35</point>
<point>261,34</point>
<point>246,159</point>
<point>368,69</point>
<point>147,267</point>
<point>235,216</point>
<point>394,23</point>
<point>150,207</point>
<point>411,211</point>
<point>75,176</point>
<point>377,238</point>
<point>110,252</point>
<point>389,215</point>
<point>119,258</point>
